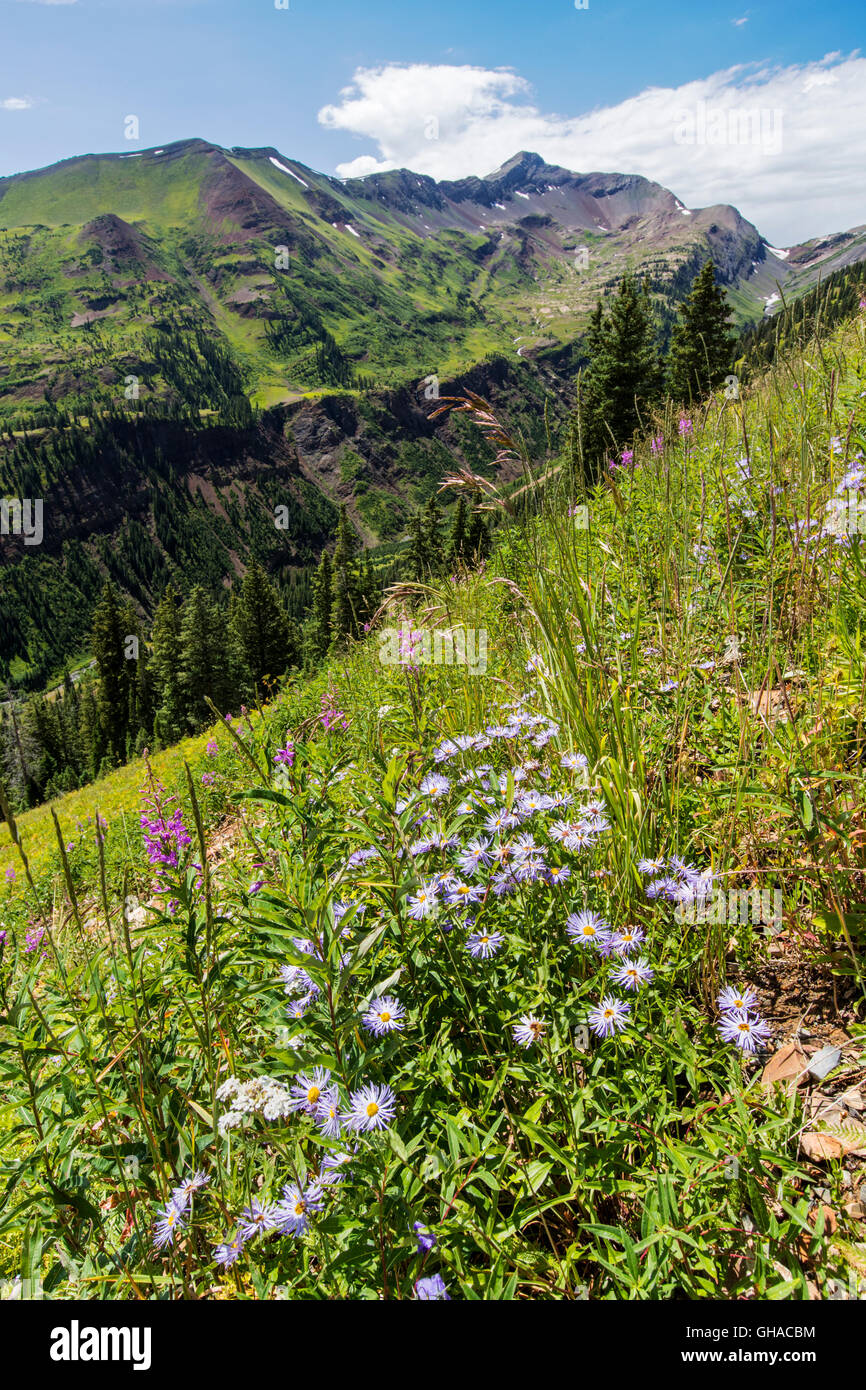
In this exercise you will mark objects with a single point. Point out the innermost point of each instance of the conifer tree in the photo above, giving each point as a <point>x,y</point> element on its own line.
<point>260,629</point>
<point>345,586</point>
<point>702,347</point>
<point>320,623</point>
<point>204,657</point>
<point>457,546</point>
<point>170,722</point>
<point>624,376</point>
<point>107,646</point>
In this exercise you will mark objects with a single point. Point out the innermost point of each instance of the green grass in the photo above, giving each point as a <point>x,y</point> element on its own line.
<point>650,1165</point>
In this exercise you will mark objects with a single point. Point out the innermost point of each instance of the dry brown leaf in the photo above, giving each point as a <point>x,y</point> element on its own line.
<point>820,1147</point>
<point>787,1068</point>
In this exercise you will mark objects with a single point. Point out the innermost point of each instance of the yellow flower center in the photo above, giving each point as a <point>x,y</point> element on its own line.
<point>372,1109</point>
<point>608,1013</point>
<point>300,1208</point>
<point>313,1094</point>
<point>385,1016</point>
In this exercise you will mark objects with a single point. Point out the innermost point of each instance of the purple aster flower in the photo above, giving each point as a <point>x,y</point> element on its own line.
<point>170,1220</point>
<point>384,1015</point>
<point>423,903</point>
<point>609,1017</point>
<point>587,928</point>
<point>328,1116</point>
<point>746,1030</point>
<point>632,974</point>
<point>628,939</point>
<point>529,1030</point>
<point>297,1206</point>
<point>229,1251</point>
<point>307,1090</point>
<point>372,1107</point>
<point>258,1219</point>
<point>484,944</point>
<point>474,855</point>
<point>183,1195</point>
<point>463,894</point>
<point>736,999</point>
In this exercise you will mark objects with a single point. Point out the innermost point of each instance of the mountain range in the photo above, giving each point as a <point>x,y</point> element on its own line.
<point>149,300</point>
<point>309,282</point>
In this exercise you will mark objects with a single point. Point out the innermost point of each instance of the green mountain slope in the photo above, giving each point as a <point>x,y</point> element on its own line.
<point>307,282</point>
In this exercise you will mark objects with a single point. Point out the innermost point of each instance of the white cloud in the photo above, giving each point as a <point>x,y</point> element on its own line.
<point>16,104</point>
<point>740,22</point>
<point>782,144</point>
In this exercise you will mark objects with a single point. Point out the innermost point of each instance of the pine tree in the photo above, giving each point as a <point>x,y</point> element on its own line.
<point>204,657</point>
<point>418,560</point>
<point>457,546</point>
<point>320,624</point>
<point>624,376</point>
<point>260,629</point>
<point>478,539</point>
<point>170,722</point>
<point>702,347</point>
<point>345,587</point>
<point>108,650</point>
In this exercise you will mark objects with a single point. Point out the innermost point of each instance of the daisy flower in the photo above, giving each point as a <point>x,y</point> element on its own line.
<point>528,1031</point>
<point>633,974</point>
<point>422,904</point>
<point>384,1016</point>
<point>328,1117</point>
<point>373,1107</point>
<point>169,1222</point>
<point>587,928</point>
<point>742,1028</point>
<point>609,1017</point>
<point>229,1251</point>
<point>736,999</point>
<point>627,939</point>
<point>258,1219</point>
<point>297,1206</point>
<point>484,944</point>
<point>306,1092</point>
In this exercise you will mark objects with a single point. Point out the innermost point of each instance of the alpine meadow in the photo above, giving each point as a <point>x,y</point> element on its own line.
<point>432,666</point>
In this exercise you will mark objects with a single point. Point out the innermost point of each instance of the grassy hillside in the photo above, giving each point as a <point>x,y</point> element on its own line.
<point>433,883</point>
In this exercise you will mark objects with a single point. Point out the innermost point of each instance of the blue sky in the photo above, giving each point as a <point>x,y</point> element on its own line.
<point>242,72</point>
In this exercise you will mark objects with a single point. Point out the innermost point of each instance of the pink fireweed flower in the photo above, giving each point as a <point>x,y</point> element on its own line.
<point>657,444</point>
<point>286,755</point>
<point>685,427</point>
<point>627,457</point>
